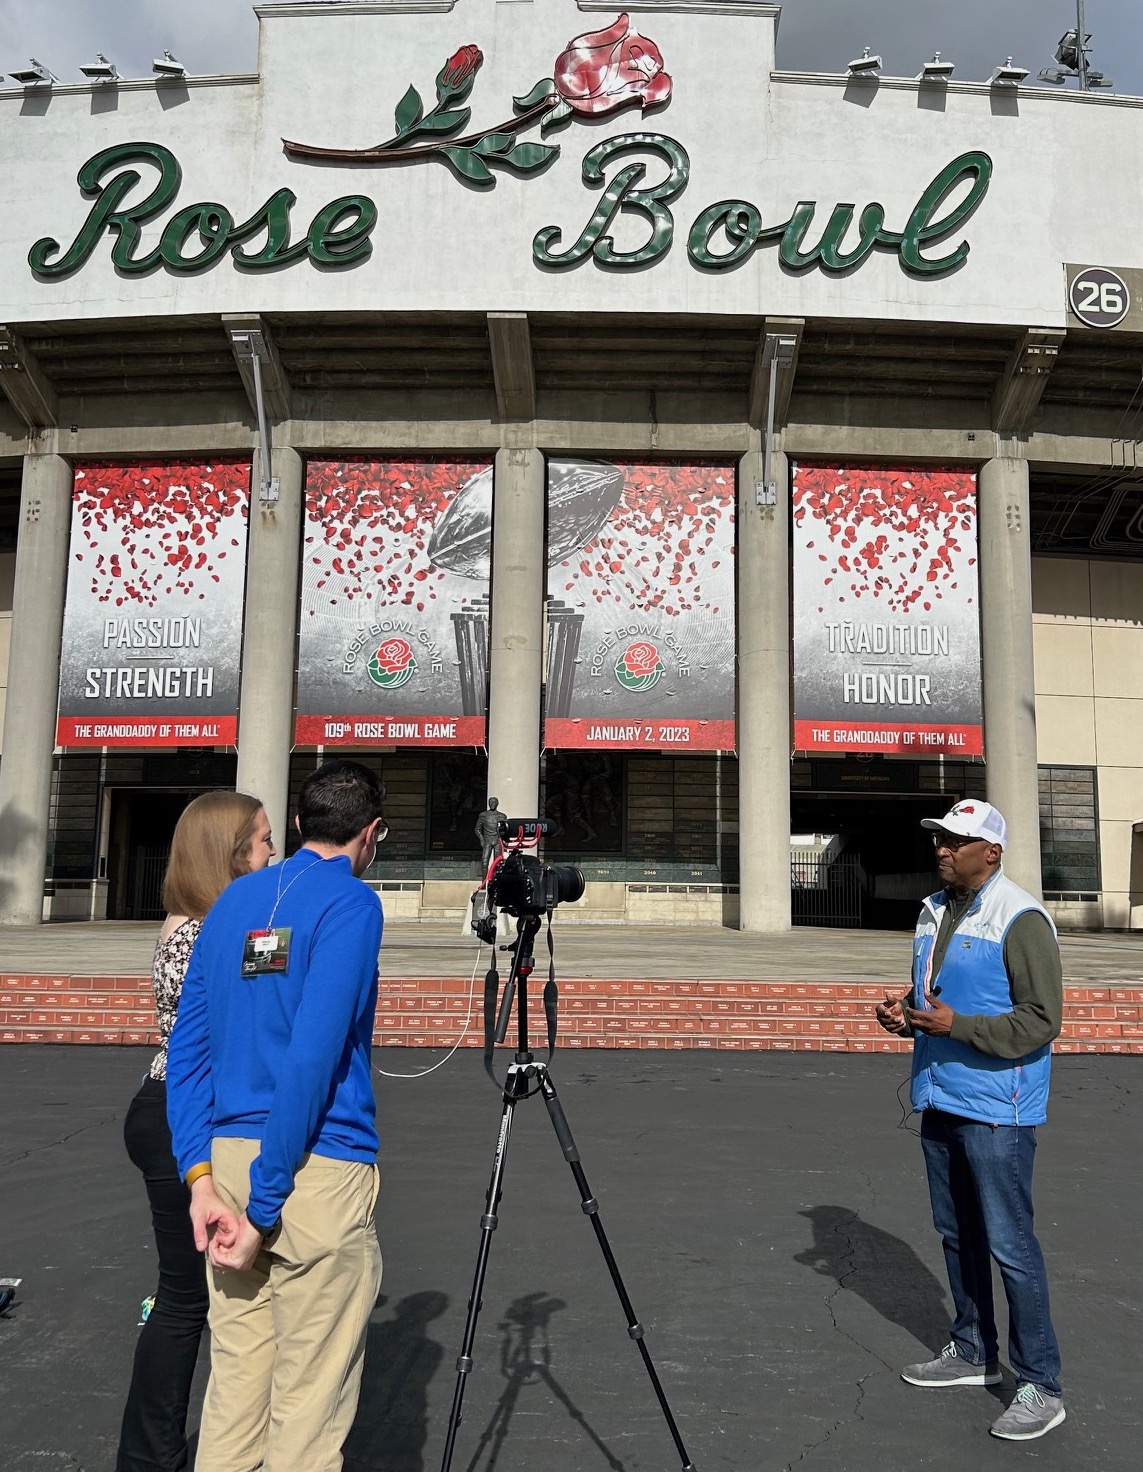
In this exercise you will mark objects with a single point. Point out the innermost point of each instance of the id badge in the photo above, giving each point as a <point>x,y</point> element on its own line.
<point>266,952</point>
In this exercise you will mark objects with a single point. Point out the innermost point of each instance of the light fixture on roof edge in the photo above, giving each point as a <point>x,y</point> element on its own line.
<point>1007,75</point>
<point>936,70</point>
<point>168,68</point>
<point>865,65</point>
<point>35,74</point>
<point>101,71</point>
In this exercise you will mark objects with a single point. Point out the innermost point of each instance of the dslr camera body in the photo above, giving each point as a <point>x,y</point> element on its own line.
<point>519,884</point>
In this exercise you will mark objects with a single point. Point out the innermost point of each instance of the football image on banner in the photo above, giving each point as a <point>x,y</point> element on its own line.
<point>641,631</point>
<point>886,611</point>
<point>152,633</point>
<point>393,645</point>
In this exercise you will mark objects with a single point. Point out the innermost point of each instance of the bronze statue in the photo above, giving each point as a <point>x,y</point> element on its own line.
<point>487,833</point>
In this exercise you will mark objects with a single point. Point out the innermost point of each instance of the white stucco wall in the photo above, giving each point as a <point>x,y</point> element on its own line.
<point>332,75</point>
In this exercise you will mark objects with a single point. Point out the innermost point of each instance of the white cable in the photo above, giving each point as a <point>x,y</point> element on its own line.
<point>456,1045</point>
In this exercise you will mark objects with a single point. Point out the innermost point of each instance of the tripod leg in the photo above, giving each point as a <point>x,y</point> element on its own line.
<point>591,1209</point>
<point>516,1087</point>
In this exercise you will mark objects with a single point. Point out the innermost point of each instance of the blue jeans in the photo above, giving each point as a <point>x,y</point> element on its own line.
<point>980,1185</point>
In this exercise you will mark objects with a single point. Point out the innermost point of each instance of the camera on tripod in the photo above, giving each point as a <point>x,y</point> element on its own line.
<point>518,883</point>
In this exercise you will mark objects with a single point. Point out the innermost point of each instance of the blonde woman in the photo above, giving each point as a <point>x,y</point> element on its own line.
<point>219,836</point>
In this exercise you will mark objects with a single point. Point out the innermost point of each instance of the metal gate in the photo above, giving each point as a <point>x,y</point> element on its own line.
<point>145,881</point>
<point>826,889</point>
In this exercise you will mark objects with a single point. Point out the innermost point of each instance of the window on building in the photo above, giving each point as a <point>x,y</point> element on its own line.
<point>1069,833</point>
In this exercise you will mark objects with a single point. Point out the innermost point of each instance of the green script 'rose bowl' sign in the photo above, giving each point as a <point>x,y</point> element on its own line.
<point>596,74</point>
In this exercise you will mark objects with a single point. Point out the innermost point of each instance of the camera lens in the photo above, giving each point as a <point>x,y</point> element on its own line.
<point>565,882</point>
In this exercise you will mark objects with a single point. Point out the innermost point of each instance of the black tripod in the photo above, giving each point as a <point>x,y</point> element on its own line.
<point>527,1077</point>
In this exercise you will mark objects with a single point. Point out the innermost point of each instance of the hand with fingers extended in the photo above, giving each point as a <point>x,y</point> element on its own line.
<point>935,1019</point>
<point>891,1013</point>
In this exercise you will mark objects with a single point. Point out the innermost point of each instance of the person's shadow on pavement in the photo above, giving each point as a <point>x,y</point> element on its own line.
<point>880,1268</point>
<point>391,1426</point>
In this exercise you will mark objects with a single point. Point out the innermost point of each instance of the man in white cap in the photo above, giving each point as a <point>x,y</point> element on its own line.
<point>981,1061</point>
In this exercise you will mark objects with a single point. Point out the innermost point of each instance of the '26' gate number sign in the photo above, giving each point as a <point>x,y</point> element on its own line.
<point>1099,297</point>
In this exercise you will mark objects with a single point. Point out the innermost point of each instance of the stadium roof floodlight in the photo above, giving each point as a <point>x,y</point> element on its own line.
<point>101,70</point>
<point>1008,75</point>
<point>865,65</point>
<point>168,68</point>
<point>1053,75</point>
<point>936,70</point>
<point>1068,51</point>
<point>35,74</point>
<point>1097,79</point>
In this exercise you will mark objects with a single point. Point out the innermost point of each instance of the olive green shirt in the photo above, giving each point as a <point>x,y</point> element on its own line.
<point>1035,974</point>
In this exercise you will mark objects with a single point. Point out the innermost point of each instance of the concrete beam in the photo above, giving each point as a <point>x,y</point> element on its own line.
<point>512,368</point>
<point>275,383</point>
<point>760,378</point>
<point>1018,394</point>
<point>24,383</point>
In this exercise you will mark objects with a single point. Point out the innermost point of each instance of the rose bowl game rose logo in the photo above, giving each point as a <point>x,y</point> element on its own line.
<point>639,667</point>
<point>393,665</point>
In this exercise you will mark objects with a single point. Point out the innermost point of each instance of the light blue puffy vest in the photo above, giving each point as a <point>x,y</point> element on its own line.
<point>954,1076</point>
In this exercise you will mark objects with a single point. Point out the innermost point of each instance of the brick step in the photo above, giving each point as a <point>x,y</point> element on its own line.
<point>594,1013</point>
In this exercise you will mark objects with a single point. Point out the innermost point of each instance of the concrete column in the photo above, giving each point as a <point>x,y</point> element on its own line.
<point>33,685</point>
<point>516,655</point>
<point>764,698</point>
<point>1006,653</point>
<point>266,717</point>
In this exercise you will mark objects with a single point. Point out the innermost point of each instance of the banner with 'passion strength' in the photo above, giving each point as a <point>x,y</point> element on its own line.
<point>152,632</point>
<point>886,611</point>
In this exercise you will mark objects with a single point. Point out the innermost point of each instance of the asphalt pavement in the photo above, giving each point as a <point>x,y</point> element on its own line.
<point>768,1213</point>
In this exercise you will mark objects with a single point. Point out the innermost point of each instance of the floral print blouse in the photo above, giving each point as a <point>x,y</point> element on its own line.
<point>172,957</point>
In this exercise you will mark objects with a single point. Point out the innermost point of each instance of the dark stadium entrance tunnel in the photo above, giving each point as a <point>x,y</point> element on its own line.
<point>862,860</point>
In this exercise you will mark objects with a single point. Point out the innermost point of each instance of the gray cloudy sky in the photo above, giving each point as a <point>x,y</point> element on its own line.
<point>815,35</point>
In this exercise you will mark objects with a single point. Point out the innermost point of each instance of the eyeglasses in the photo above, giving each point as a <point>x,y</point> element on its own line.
<point>952,842</point>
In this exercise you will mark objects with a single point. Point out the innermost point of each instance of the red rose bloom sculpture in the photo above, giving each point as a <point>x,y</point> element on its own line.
<point>459,71</point>
<point>607,69</point>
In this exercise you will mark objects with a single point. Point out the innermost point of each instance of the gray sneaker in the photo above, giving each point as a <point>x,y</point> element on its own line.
<point>1032,1413</point>
<point>949,1368</point>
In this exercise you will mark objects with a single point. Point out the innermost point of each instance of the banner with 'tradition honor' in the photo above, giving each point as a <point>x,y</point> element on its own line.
<point>886,611</point>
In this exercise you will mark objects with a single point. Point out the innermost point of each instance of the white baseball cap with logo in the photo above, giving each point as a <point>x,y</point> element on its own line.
<point>972,819</point>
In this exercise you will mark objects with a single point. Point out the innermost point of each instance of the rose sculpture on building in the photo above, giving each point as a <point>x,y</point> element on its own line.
<point>393,664</point>
<point>607,69</point>
<point>596,74</point>
<point>639,666</point>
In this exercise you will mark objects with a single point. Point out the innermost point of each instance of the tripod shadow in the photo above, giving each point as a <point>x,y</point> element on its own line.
<point>880,1268</point>
<point>525,1358</point>
<point>391,1426</point>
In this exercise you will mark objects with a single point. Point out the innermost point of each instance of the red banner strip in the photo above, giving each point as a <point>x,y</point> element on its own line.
<point>166,730</point>
<point>655,735</point>
<point>885,736</point>
<point>385,730</point>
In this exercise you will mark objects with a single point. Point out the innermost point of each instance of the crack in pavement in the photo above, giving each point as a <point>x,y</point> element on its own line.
<point>8,1160</point>
<point>848,1265</point>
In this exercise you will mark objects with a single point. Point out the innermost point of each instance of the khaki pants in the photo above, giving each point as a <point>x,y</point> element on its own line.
<point>288,1335</point>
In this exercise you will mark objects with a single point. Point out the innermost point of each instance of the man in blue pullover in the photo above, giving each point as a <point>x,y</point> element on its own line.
<point>270,1100</point>
<point>981,1063</point>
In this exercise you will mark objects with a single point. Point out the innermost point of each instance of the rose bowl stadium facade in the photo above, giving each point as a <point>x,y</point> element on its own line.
<point>565,403</point>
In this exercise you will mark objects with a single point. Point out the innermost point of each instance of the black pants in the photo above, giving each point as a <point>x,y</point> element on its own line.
<point>154,1421</point>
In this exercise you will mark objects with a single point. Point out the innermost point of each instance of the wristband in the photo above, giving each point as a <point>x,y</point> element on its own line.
<point>197,1171</point>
